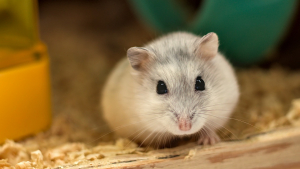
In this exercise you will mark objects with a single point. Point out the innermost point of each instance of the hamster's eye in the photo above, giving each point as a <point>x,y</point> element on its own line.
<point>161,87</point>
<point>200,85</point>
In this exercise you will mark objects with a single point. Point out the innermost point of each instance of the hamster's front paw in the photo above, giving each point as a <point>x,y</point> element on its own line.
<point>208,138</point>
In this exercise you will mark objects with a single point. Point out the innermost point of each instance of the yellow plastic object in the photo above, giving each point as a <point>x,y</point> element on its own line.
<point>25,97</point>
<point>24,72</point>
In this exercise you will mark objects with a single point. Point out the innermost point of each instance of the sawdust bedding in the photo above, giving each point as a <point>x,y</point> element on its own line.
<point>269,100</point>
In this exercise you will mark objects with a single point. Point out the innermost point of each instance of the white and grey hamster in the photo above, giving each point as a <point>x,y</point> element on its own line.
<point>176,85</point>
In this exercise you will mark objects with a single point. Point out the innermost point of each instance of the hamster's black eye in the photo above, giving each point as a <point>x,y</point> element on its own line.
<point>161,87</point>
<point>200,85</point>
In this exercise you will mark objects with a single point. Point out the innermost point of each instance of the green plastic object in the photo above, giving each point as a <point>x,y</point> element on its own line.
<point>247,29</point>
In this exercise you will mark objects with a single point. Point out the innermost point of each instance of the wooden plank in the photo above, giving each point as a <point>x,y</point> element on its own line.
<point>275,150</point>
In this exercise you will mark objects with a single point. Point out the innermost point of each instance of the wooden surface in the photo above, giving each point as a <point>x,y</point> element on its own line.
<point>275,150</point>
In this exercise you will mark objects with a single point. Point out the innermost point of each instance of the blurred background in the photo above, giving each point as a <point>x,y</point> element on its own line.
<point>85,39</point>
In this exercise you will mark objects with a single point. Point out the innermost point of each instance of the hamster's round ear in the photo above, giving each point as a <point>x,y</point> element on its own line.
<point>208,47</point>
<point>138,57</point>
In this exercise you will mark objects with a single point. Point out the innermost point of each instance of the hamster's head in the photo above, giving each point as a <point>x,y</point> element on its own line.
<point>182,84</point>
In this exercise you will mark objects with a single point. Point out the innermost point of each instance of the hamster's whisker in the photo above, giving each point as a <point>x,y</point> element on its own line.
<point>120,127</point>
<point>156,143</point>
<point>205,132</point>
<point>226,134</point>
<point>208,127</point>
<point>212,122</point>
<point>239,104</point>
<point>216,105</point>
<point>162,139</point>
<point>150,125</point>
<point>147,137</point>
<point>213,110</point>
<point>168,138</point>
<point>141,131</point>
<point>202,134</point>
<point>153,138</point>
<point>197,135</point>
<point>204,109</point>
<point>159,142</point>
<point>230,118</point>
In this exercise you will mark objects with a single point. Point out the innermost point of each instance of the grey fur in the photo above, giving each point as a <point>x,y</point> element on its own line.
<point>132,98</point>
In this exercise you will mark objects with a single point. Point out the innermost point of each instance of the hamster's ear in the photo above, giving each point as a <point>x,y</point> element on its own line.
<point>138,56</point>
<point>208,47</point>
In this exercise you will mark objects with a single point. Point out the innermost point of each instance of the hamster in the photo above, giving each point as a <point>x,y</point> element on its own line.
<point>177,85</point>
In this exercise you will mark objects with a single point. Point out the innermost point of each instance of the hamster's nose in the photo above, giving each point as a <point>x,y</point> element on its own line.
<point>184,124</point>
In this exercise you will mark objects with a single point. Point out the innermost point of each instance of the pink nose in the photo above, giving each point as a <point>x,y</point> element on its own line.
<point>184,125</point>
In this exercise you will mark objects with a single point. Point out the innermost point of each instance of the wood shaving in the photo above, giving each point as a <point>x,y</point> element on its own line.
<point>13,152</point>
<point>37,158</point>
<point>293,116</point>
<point>191,154</point>
<point>4,163</point>
<point>24,165</point>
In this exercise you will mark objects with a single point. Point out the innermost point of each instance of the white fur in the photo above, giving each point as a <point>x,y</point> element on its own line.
<point>133,109</point>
